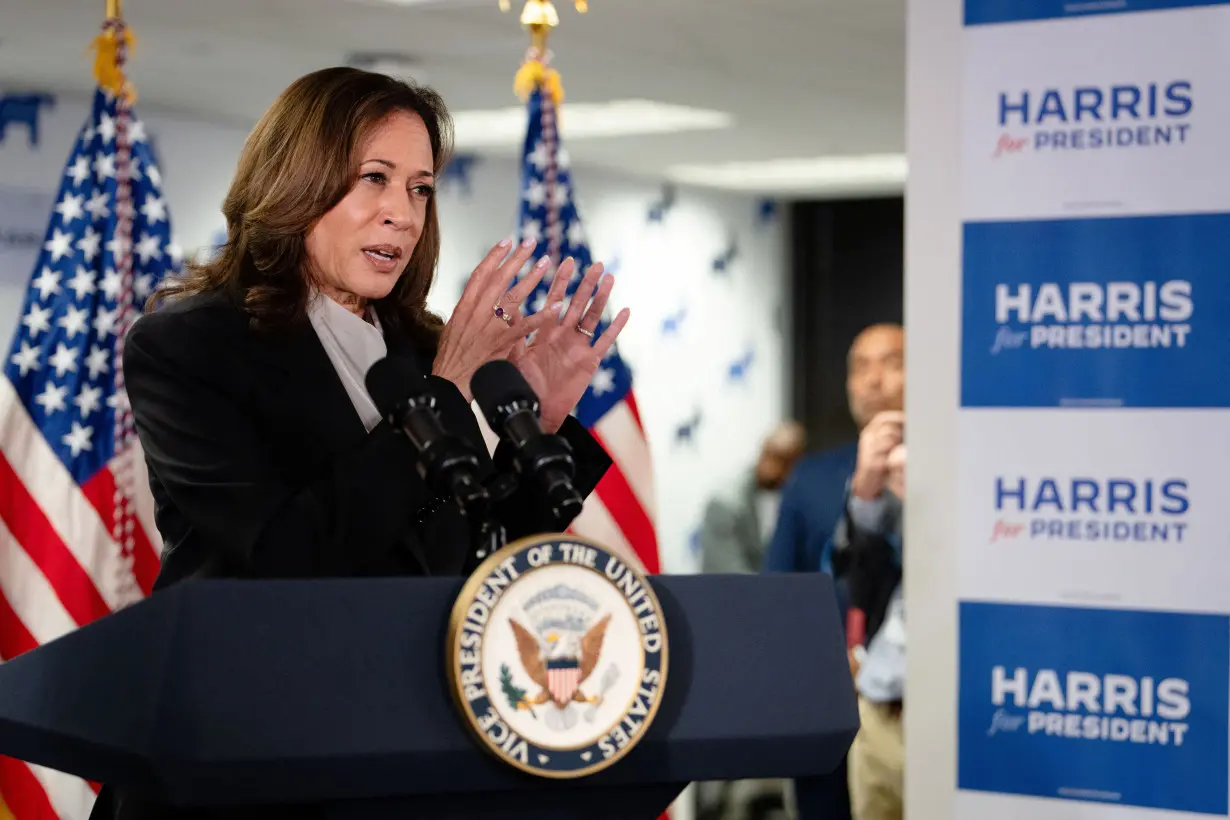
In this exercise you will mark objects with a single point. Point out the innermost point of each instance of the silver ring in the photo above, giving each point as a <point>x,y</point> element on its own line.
<point>588,333</point>
<point>503,315</point>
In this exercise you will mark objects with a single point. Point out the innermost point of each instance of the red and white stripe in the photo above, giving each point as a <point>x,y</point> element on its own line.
<point>60,568</point>
<point>620,513</point>
<point>563,683</point>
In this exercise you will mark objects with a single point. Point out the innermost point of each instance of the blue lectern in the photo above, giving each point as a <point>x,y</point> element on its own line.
<point>333,693</point>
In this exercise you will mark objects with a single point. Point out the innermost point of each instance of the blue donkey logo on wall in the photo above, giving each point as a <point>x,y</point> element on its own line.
<point>23,109</point>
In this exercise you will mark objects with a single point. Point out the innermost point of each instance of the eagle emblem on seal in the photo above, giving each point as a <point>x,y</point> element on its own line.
<point>559,663</point>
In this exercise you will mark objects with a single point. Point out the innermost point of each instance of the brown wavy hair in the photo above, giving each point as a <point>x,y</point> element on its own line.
<point>297,164</point>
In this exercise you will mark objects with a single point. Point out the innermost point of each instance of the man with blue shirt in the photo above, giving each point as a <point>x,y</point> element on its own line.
<point>814,502</point>
<point>867,555</point>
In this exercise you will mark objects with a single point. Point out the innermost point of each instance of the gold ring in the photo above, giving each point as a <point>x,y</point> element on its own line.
<point>503,315</point>
<point>588,333</point>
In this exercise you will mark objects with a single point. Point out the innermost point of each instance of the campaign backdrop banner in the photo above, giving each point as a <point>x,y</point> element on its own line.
<point>1114,706</point>
<point>1094,417</point>
<point>1120,311</point>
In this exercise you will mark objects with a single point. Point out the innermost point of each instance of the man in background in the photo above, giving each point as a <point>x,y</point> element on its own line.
<point>815,494</point>
<point>736,529</point>
<point>814,502</point>
<point>867,555</point>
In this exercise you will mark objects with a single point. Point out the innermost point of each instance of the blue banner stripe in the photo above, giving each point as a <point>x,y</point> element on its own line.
<point>1109,312</point>
<point>985,12</point>
<point>1108,706</point>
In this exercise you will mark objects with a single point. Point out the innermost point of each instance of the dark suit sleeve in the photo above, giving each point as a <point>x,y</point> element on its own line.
<point>205,450</point>
<point>522,514</point>
<point>786,547</point>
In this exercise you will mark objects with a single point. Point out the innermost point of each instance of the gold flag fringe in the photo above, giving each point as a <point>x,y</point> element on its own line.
<point>109,65</point>
<point>533,74</point>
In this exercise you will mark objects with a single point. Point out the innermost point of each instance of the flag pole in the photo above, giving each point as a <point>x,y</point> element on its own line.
<point>112,47</point>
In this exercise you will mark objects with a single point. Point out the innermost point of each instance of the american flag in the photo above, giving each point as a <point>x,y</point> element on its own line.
<point>77,539</point>
<point>620,513</point>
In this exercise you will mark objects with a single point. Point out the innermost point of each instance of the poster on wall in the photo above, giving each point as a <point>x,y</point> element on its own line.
<point>23,222</point>
<point>1094,624</point>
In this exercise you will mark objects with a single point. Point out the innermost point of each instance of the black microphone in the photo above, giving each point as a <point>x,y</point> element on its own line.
<point>447,464</point>
<point>512,410</point>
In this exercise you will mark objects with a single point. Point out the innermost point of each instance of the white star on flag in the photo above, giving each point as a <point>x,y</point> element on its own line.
<point>52,398</point>
<point>97,206</point>
<point>83,283</point>
<point>37,320</point>
<point>47,283</point>
<point>604,381</point>
<point>64,360</point>
<point>88,243</point>
<point>532,229</point>
<point>106,128</point>
<point>150,247</point>
<point>96,362</point>
<point>88,400</point>
<point>535,194</point>
<point>79,170</point>
<point>104,166</point>
<point>69,208</point>
<point>79,439</point>
<point>27,358</point>
<point>539,156</point>
<point>154,209</point>
<point>59,245</point>
<point>74,320</point>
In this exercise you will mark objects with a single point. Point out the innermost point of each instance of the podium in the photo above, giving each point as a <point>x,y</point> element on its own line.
<point>333,693</point>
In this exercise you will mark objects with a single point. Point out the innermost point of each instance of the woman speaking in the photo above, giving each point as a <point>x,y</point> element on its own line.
<point>267,457</point>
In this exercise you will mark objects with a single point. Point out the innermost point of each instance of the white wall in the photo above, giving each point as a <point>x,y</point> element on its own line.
<point>663,269</point>
<point>932,301</point>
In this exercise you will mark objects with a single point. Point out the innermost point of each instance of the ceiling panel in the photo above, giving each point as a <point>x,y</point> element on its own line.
<point>800,77</point>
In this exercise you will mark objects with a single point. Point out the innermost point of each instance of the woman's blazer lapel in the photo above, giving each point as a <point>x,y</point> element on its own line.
<point>295,374</point>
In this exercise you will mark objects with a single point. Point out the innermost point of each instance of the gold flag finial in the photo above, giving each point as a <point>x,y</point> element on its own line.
<point>111,49</point>
<point>539,17</point>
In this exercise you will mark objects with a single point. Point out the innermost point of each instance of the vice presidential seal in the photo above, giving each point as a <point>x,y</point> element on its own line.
<point>557,656</point>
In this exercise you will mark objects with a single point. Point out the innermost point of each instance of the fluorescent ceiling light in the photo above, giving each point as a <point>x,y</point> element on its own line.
<point>617,118</point>
<point>805,174</point>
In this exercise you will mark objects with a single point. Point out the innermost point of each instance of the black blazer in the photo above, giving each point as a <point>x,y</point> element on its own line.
<point>261,468</point>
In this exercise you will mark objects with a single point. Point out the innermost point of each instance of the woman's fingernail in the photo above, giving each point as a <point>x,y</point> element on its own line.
<point>506,242</point>
<point>557,307</point>
<point>542,262</point>
<point>529,242</point>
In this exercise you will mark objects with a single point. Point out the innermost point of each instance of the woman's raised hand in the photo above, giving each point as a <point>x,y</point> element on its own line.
<point>487,322</point>
<point>560,361</point>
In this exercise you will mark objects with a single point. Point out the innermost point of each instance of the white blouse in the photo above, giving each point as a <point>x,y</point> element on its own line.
<point>353,345</point>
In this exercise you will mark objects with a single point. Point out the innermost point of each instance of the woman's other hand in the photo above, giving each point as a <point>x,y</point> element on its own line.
<point>487,322</point>
<point>560,361</point>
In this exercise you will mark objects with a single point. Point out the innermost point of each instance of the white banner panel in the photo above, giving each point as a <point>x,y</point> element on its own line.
<point>1078,507</point>
<point>1110,114</point>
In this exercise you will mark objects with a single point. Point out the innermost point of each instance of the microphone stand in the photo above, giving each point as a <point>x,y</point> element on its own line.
<point>487,534</point>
